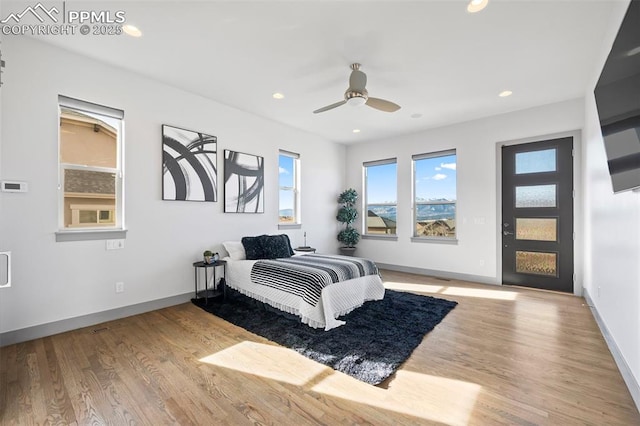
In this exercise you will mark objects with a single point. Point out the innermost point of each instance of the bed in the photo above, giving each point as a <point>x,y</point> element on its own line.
<point>334,285</point>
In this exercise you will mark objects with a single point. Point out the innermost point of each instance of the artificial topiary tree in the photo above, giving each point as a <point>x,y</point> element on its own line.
<point>348,214</point>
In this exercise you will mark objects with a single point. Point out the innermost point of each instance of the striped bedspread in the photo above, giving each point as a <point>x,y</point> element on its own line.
<point>306,276</point>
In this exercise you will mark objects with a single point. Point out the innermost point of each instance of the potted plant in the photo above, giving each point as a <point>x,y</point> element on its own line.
<point>207,256</point>
<point>348,214</point>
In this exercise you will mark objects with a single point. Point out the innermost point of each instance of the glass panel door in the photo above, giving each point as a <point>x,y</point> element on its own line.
<point>537,215</point>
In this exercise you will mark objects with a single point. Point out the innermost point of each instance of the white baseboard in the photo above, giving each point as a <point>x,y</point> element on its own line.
<point>627,374</point>
<point>43,330</point>
<point>439,274</point>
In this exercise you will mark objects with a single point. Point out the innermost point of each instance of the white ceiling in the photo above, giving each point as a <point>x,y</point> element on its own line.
<point>431,57</point>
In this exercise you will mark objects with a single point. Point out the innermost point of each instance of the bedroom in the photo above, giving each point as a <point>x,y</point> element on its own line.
<point>72,283</point>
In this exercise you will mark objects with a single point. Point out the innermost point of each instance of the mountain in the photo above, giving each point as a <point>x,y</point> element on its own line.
<point>436,211</point>
<point>425,211</point>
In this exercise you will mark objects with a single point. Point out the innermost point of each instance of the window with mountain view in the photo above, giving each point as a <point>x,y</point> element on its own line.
<point>289,196</point>
<point>381,187</point>
<point>434,189</point>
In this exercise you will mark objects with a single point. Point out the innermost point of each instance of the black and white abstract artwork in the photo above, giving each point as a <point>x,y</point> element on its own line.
<point>243,183</point>
<point>189,165</point>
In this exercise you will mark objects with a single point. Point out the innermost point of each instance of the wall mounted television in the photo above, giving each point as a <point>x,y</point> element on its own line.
<point>617,96</point>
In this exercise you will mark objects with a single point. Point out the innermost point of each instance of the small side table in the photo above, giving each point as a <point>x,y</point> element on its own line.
<point>305,249</point>
<point>210,293</point>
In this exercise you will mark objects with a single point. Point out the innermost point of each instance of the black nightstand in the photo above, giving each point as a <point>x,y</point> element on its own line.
<point>305,249</point>
<point>214,291</point>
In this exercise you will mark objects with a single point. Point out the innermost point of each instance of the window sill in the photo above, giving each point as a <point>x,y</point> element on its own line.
<point>289,226</point>
<point>435,240</point>
<point>380,237</point>
<point>89,235</point>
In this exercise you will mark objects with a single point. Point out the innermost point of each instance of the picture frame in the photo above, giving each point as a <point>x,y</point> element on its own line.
<point>189,165</point>
<point>243,182</point>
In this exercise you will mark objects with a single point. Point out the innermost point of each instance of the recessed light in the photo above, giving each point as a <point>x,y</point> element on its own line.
<point>505,93</point>
<point>356,130</point>
<point>476,5</point>
<point>131,30</point>
<point>416,115</point>
<point>278,95</point>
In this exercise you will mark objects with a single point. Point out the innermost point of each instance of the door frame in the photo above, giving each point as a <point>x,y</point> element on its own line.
<point>578,215</point>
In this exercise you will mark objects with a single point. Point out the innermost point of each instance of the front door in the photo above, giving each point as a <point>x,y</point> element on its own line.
<point>537,215</point>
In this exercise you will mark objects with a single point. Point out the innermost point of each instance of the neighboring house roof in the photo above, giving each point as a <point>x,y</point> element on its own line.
<point>375,221</point>
<point>436,227</point>
<point>77,117</point>
<point>89,182</point>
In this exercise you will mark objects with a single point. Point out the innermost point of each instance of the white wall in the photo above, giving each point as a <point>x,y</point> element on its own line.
<point>54,281</point>
<point>612,265</point>
<point>612,239</point>
<point>476,253</point>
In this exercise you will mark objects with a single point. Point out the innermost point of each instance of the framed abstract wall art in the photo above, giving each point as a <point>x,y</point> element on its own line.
<point>189,165</point>
<point>243,183</point>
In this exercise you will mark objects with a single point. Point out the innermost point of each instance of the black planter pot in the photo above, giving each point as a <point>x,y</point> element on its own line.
<point>347,251</point>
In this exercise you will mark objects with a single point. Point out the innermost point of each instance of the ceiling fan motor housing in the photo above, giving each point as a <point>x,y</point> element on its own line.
<point>356,98</point>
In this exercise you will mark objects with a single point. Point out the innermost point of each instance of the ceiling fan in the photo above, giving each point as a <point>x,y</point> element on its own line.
<point>357,94</point>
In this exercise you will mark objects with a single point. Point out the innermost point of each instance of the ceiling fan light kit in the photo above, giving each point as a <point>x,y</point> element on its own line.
<point>357,95</point>
<point>355,99</point>
<point>475,6</point>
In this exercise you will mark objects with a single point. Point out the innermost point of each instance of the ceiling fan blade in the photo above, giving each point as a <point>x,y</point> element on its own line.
<point>328,107</point>
<point>382,105</point>
<point>357,81</point>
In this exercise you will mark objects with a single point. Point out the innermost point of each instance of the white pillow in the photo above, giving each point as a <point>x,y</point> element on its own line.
<point>235,249</point>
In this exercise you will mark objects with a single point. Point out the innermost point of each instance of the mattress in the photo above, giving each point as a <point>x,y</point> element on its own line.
<point>336,299</point>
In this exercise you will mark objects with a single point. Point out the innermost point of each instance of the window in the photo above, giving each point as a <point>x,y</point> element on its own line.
<point>289,178</point>
<point>434,189</point>
<point>90,164</point>
<point>380,179</point>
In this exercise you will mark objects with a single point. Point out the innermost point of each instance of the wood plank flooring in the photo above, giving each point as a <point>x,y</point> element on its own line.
<point>504,355</point>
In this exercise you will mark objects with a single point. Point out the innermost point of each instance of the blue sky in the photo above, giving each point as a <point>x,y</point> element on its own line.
<point>382,184</point>
<point>435,179</point>
<point>286,170</point>
<point>286,174</point>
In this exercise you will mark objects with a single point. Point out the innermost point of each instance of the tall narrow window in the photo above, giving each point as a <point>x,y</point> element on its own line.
<point>381,199</point>
<point>434,189</point>
<point>289,198</point>
<point>90,143</point>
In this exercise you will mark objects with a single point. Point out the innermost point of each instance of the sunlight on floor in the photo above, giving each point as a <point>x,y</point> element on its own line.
<point>420,288</point>
<point>272,362</point>
<point>479,292</point>
<point>453,291</point>
<point>428,397</point>
<point>421,395</point>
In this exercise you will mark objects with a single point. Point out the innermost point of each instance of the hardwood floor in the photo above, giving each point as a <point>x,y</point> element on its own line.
<point>502,356</point>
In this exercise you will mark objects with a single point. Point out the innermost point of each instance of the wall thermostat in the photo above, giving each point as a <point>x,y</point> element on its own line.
<point>14,186</point>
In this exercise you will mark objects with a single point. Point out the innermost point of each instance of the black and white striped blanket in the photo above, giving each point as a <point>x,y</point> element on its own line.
<point>306,276</point>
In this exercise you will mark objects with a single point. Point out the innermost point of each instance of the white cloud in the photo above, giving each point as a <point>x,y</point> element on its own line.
<point>284,171</point>
<point>438,169</point>
<point>450,166</point>
<point>439,176</point>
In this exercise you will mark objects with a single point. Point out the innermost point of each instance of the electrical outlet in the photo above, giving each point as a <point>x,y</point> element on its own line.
<point>114,244</point>
<point>481,262</point>
<point>119,287</point>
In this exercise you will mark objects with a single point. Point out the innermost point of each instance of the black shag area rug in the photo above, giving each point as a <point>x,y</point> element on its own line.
<point>377,338</point>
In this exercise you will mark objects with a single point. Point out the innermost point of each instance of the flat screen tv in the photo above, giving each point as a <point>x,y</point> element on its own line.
<point>617,96</point>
